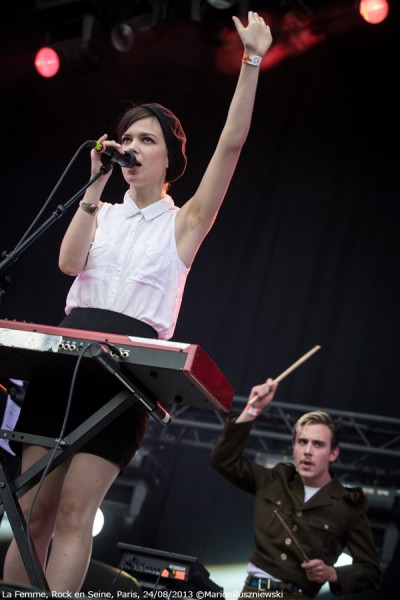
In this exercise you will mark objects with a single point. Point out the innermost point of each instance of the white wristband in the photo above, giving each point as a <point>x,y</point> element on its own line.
<point>251,410</point>
<point>252,59</point>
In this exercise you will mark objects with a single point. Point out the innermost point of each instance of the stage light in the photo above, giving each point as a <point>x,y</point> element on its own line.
<point>124,34</point>
<point>221,4</point>
<point>67,57</point>
<point>47,62</point>
<point>199,8</point>
<point>123,37</point>
<point>70,55</point>
<point>98,522</point>
<point>374,11</point>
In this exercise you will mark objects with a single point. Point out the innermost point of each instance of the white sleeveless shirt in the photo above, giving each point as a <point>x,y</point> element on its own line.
<point>133,265</point>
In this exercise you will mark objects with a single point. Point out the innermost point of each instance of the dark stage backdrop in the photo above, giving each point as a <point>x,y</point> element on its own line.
<point>305,249</point>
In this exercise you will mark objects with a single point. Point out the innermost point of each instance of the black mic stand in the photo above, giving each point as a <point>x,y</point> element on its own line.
<point>9,258</point>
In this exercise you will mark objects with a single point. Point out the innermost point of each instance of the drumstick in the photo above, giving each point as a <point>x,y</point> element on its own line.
<point>297,364</point>
<point>290,369</point>
<point>292,536</point>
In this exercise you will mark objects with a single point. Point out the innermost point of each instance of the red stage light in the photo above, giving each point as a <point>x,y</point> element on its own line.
<point>374,11</point>
<point>47,62</point>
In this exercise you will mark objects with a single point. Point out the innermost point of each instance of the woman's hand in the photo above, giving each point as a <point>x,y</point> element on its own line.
<point>256,37</point>
<point>96,155</point>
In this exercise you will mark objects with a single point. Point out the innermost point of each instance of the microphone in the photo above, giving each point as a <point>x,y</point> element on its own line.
<point>109,155</point>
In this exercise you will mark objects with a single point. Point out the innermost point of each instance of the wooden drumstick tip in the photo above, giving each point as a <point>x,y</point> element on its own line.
<point>289,370</point>
<point>296,364</point>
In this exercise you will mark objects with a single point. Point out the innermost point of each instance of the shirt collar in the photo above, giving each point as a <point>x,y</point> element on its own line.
<point>150,212</point>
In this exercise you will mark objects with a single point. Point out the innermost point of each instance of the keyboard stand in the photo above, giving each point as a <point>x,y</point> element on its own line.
<point>60,450</point>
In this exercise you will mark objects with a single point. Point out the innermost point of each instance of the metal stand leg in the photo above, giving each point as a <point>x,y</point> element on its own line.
<point>15,516</point>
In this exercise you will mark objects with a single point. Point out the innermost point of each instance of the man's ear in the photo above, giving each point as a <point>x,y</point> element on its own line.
<point>334,454</point>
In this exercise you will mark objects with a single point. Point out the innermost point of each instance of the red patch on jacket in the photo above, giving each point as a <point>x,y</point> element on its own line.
<point>355,496</point>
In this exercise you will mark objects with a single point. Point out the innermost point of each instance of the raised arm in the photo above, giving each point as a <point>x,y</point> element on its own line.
<point>196,217</point>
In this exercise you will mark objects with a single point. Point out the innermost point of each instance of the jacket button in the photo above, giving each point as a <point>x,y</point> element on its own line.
<point>288,541</point>
<point>299,513</point>
<point>326,526</point>
<point>294,528</point>
<point>283,556</point>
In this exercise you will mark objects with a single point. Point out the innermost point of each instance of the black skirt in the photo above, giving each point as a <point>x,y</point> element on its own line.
<point>46,398</point>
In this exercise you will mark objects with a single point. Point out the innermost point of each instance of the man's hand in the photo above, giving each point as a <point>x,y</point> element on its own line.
<point>316,570</point>
<point>260,396</point>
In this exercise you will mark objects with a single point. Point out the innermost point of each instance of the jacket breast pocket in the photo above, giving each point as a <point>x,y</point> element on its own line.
<point>267,504</point>
<point>328,537</point>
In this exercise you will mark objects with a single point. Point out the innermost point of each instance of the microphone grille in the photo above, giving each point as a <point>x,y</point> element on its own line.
<point>132,162</point>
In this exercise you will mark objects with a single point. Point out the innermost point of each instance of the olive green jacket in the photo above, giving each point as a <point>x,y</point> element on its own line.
<point>333,519</point>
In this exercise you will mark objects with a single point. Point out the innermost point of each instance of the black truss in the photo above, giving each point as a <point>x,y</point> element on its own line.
<point>370,444</point>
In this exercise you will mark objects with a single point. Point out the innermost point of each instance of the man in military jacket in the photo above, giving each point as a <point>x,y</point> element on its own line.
<point>303,516</point>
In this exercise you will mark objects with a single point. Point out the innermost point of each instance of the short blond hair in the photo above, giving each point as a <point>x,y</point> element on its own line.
<point>318,417</point>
